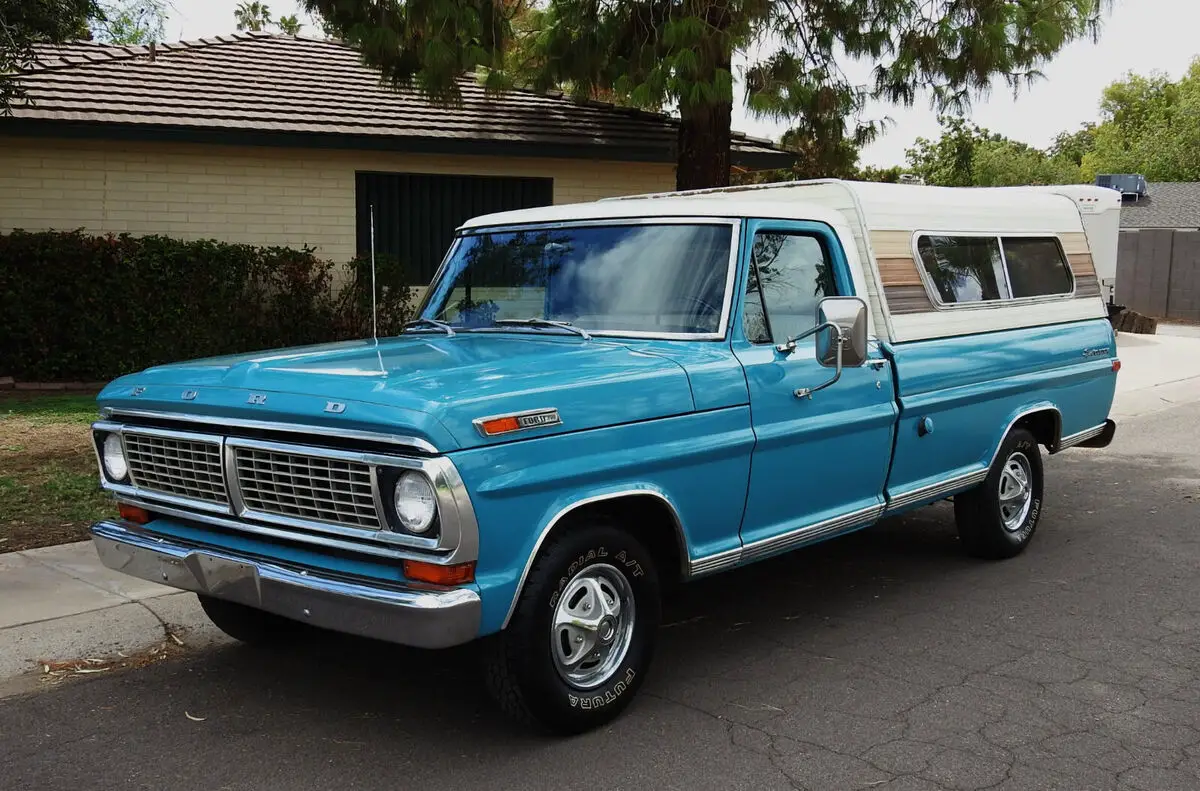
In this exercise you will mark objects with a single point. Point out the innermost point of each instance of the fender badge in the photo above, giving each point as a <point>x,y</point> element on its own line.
<point>518,421</point>
<point>137,391</point>
<point>335,407</point>
<point>256,398</point>
<point>189,395</point>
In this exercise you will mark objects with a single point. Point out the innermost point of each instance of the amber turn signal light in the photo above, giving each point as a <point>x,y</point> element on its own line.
<point>500,425</point>
<point>132,513</point>
<point>458,574</point>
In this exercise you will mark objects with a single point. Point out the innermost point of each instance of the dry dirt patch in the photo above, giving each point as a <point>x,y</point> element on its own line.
<point>49,489</point>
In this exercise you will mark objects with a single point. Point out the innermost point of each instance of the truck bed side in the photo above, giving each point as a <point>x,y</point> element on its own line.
<point>972,389</point>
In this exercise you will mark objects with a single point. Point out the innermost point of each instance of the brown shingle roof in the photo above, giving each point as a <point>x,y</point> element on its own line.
<point>262,84</point>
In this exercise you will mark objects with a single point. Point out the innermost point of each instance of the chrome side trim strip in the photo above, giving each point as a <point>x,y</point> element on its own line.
<point>711,564</point>
<point>217,423</point>
<point>1083,436</point>
<point>935,491</point>
<point>948,486</point>
<point>685,563</point>
<point>428,617</point>
<point>805,535</point>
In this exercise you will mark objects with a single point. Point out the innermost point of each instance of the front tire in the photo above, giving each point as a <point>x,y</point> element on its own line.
<point>582,635</point>
<point>997,519</point>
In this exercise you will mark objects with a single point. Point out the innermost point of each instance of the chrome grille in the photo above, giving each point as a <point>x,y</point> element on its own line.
<point>306,487</point>
<point>182,467</point>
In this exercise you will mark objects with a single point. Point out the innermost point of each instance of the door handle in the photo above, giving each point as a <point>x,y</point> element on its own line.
<point>876,364</point>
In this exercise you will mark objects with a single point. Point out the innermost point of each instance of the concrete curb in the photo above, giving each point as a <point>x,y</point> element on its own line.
<point>61,604</point>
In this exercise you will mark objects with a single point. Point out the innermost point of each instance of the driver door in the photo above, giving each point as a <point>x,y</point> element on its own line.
<point>820,462</point>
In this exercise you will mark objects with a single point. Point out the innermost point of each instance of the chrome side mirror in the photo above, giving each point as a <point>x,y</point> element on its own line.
<point>847,335</point>
<point>841,338</point>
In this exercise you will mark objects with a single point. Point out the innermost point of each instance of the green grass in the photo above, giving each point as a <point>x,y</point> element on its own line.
<point>59,408</point>
<point>49,486</point>
<point>54,494</point>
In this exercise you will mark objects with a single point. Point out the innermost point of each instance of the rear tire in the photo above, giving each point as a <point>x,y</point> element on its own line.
<point>248,625</point>
<point>548,671</point>
<point>997,519</point>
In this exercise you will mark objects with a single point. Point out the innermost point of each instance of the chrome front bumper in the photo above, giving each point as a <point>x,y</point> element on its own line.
<point>405,614</point>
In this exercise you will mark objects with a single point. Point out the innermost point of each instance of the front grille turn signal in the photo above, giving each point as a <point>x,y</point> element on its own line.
<point>131,513</point>
<point>457,574</point>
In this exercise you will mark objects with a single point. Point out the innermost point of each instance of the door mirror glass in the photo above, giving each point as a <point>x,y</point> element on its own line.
<point>848,314</point>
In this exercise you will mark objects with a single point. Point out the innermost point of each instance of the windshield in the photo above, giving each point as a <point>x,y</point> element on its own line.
<point>663,279</point>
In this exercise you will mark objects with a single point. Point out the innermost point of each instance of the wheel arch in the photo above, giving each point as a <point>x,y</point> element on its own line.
<point>653,516</point>
<point>1043,420</point>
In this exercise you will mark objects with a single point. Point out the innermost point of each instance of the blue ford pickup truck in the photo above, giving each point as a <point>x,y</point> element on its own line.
<point>600,400</point>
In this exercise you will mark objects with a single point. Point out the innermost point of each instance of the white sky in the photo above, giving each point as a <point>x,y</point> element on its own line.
<point>1139,35</point>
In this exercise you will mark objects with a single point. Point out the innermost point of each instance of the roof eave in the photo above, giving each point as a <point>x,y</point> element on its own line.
<point>754,159</point>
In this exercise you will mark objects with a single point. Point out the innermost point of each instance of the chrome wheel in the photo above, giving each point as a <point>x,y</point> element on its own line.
<point>1016,491</point>
<point>592,626</point>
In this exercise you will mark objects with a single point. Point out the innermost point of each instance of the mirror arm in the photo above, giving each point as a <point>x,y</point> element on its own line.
<point>789,346</point>
<point>807,392</point>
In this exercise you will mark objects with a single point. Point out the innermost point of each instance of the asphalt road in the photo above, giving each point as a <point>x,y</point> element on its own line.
<point>884,660</point>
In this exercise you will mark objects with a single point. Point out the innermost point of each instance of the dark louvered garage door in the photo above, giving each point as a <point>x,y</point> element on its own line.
<point>416,213</point>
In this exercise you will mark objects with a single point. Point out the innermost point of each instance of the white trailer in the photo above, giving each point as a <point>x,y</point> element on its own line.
<point>1100,209</point>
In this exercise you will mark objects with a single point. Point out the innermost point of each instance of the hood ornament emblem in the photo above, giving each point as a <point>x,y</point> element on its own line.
<point>137,391</point>
<point>188,395</point>
<point>258,399</point>
<point>335,407</point>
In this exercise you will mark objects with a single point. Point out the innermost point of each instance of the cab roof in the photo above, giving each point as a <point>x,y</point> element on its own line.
<point>723,206</point>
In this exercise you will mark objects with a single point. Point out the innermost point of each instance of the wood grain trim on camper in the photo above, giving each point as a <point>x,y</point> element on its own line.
<point>1087,287</point>
<point>892,244</point>
<point>1075,243</point>
<point>902,285</point>
<point>1081,264</point>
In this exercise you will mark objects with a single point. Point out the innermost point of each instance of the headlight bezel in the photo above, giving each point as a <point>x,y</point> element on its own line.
<point>390,488</point>
<point>105,444</point>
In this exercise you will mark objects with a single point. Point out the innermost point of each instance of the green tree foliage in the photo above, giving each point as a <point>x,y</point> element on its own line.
<point>289,25</point>
<point>25,23</point>
<point>130,21</point>
<point>966,155</point>
<point>1150,125</point>
<point>679,54</point>
<point>253,16</point>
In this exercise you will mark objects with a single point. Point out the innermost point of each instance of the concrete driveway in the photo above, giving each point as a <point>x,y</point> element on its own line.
<point>883,660</point>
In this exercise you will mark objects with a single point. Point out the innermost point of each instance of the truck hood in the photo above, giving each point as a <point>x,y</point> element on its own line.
<point>427,386</point>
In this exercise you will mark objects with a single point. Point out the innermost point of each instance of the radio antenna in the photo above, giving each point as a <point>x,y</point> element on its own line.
<point>374,288</point>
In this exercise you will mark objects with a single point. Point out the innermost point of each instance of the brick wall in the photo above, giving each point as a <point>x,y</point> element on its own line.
<point>257,195</point>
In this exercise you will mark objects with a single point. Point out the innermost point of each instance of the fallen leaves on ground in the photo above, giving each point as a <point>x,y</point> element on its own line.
<point>57,671</point>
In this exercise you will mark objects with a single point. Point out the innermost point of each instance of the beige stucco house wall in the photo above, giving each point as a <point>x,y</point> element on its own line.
<point>254,194</point>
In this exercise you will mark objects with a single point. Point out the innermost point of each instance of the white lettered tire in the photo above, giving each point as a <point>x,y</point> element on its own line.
<point>997,519</point>
<point>581,638</point>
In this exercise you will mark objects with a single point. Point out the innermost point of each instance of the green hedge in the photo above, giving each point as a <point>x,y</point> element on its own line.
<point>80,307</point>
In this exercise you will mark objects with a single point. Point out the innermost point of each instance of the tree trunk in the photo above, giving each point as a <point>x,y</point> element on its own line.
<point>704,146</point>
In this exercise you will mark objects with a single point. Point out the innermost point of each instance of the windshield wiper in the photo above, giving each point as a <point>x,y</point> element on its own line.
<point>562,325</point>
<point>441,325</point>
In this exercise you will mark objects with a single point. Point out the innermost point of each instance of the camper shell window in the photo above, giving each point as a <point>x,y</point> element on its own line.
<point>965,269</point>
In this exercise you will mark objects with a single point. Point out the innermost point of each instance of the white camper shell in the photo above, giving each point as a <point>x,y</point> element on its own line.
<point>881,225</point>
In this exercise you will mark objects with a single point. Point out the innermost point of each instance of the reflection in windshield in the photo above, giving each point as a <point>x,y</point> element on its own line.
<point>661,279</point>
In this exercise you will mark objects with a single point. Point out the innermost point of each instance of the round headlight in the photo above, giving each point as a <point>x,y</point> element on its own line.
<point>416,504</point>
<point>114,458</point>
